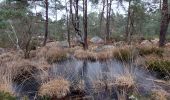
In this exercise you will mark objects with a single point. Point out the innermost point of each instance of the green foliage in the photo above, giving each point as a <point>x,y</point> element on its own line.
<point>162,67</point>
<point>6,96</point>
<point>45,98</point>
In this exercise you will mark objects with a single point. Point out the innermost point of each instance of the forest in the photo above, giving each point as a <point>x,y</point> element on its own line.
<point>84,50</point>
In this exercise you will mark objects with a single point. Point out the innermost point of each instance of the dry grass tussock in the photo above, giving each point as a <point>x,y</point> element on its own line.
<point>124,81</point>
<point>9,56</point>
<point>56,55</point>
<point>6,85</point>
<point>6,81</point>
<point>124,85</point>
<point>6,88</point>
<point>104,55</point>
<point>41,52</point>
<point>98,86</point>
<point>55,88</point>
<point>147,50</point>
<point>159,94</point>
<point>124,53</point>
<point>21,69</point>
<point>52,54</point>
<point>85,55</point>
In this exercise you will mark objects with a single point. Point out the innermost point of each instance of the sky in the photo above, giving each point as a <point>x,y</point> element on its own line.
<point>90,8</point>
<point>52,14</point>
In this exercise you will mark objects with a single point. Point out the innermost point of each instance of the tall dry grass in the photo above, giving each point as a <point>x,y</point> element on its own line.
<point>159,94</point>
<point>56,88</point>
<point>85,55</point>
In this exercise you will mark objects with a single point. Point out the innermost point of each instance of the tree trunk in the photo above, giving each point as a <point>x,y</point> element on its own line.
<point>164,23</point>
<point>107,21</point>
<point>46,23</point>
<point>128,20</point>
<point>108,3</point>
<point>68,27</point>
<point>101,17</point>
<point>77,16</point>
<point>85,46</point>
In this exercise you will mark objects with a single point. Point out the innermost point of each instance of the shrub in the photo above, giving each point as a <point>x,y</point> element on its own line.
<point>56,55</point>
<point>162,67</point>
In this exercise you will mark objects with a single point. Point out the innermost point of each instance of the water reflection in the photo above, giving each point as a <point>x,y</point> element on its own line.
<point>83,74</point>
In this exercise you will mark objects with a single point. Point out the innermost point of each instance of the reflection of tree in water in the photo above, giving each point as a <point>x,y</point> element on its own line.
<point>105,70</point>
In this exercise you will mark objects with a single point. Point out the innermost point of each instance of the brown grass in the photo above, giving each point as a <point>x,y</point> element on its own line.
<point>21,69</point>
<point>41,52</point>
<point>124,54</point>
<point>104,55</point>
<point>124,85</point>
<point>85,55</point>
<point>55,88</point>
<point>99,86</point>
<point>56,55</point>
<point>126,81</point>
<point>6,88</point>
<point>159,94</point>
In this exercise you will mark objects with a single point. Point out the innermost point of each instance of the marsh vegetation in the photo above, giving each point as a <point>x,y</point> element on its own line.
<point>84,55</point>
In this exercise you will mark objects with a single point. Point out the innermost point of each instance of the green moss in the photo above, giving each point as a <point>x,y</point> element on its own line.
<point>6,96</point>
<point>162,67</point>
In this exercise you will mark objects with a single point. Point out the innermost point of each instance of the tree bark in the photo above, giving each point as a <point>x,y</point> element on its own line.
<point>85,46</point>
<point>68,27</point>
<point>128,20</point>
<point>101,17</point>
<point>164,23</point>
<point>108,3</point>
<point>46,23</point>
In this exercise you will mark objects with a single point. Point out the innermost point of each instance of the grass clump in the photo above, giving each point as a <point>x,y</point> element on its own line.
<point>162,67</point>
<point>21,69</point>
<point>159,94</point>
<point>57,88</point>
<point>124,54</point>
<point>85,55</point>
<point>104,55</point>
<point>6,96</point>
<point>56,55</point>
<point>150,50</point>
<point>124,85</point>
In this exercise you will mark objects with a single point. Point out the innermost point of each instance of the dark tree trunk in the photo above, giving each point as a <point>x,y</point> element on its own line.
<point>101,17</point>
<point>77,16</point>
<point>164,23</point>
<point>68,27</point>
<point>107,20</point>
<point>108,3</point>
<point>128,20</point>
<point>27,45</point>
<point>85,46</point>
<point>46,23</point>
